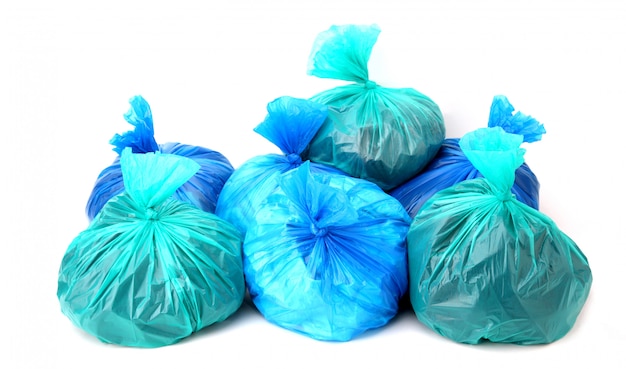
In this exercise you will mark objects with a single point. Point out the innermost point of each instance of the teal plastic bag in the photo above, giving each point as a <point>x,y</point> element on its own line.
<point>326,255</point>
<point>151,270</point>
<point>484,266</point>
<point>384,135</point>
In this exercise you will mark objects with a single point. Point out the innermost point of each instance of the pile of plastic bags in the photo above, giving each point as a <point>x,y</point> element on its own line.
<point>368,198</point>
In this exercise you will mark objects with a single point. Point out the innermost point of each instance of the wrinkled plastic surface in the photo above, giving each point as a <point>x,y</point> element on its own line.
<point>450,166</point>
<point>202,190</point>
<point>484,266</point>
<point>290,124</point>
<point>503,114</point>
<point>385,135</point>
<point>326,255</point>
<point>151,270</point>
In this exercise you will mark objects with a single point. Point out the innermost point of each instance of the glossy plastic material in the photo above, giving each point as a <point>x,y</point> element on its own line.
<point>385,135</point>
<point>151,270</point>
<point>326,255</point>
<point>484,266</point>
<point>202,190</point>
<point>290,124</point>
<point>450,166</point>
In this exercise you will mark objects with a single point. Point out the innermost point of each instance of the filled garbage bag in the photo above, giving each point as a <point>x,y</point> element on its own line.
<point>385,135</point>
<point>326,255</point>
<point>450,166</point>
<point>484,266</point>
<point>151,270</point>
<point>290,124</point>
<point>202,190</point>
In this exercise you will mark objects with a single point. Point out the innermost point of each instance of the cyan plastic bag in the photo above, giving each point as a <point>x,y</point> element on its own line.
<point>202,190</point>
<point>151,270</point>
<point>450,166</point>
<point>326,255</point>
<point>484,266</point>
<point>290,124</point>
<point>385,135</point>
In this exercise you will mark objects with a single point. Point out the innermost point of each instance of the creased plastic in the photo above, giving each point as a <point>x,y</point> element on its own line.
<point>151,270</point>
<point>385,135</point>
<point>451,166</point>
<point>503,115</point>
<point>201,190</point>
<point>484,266</point>
<point>326,256</point>
<point>290,124</point>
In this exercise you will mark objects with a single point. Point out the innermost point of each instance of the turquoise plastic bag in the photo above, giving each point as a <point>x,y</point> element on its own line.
<point>385,135</point>
<point>290,124</point>
<point>450,166</point>
<point>326,255</point>
<point>201,190</point>
<point>151,270</point>
<point>484,266</point>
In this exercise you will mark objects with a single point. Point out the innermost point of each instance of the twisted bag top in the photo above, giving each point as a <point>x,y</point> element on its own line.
<point>151,270</point>
<point>484,266</point>
<point>201,190</point>
<point>290,124</point>
<point>326,255</point>
<point>450,166</point>
<point>385,135</point>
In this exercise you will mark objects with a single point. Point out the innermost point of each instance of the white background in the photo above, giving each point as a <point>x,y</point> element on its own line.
<point>67,70</point>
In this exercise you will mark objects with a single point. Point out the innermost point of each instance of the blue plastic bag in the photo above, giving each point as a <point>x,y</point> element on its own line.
<point>290,124</point>
<point>451,166</point>
<point>325,255</point>
<point>384,135</point>
<point>484,266</point>
<point>150,270</point>
<point>202,190</point>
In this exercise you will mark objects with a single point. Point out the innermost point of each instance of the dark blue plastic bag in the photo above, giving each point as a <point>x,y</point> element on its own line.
<point>485,266</point>
<point>451,166</point>
<point>151,270</point>
<point>325,255</point>
<point>202,190</point>
<point>290,124</point>
<point>385,135</point>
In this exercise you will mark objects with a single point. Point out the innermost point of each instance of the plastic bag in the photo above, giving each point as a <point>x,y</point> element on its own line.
<point>290,124</point>
<point>151,270</point>
<point>385,135</point>
<point>450,166</point>
<point>202,190</point>
<point>484,266</point>
<point>326,255</point>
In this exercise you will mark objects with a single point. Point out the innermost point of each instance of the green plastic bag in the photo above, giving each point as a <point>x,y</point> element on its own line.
<point>484,266</point>
<point>384,135</point>
<point>151,270</point>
